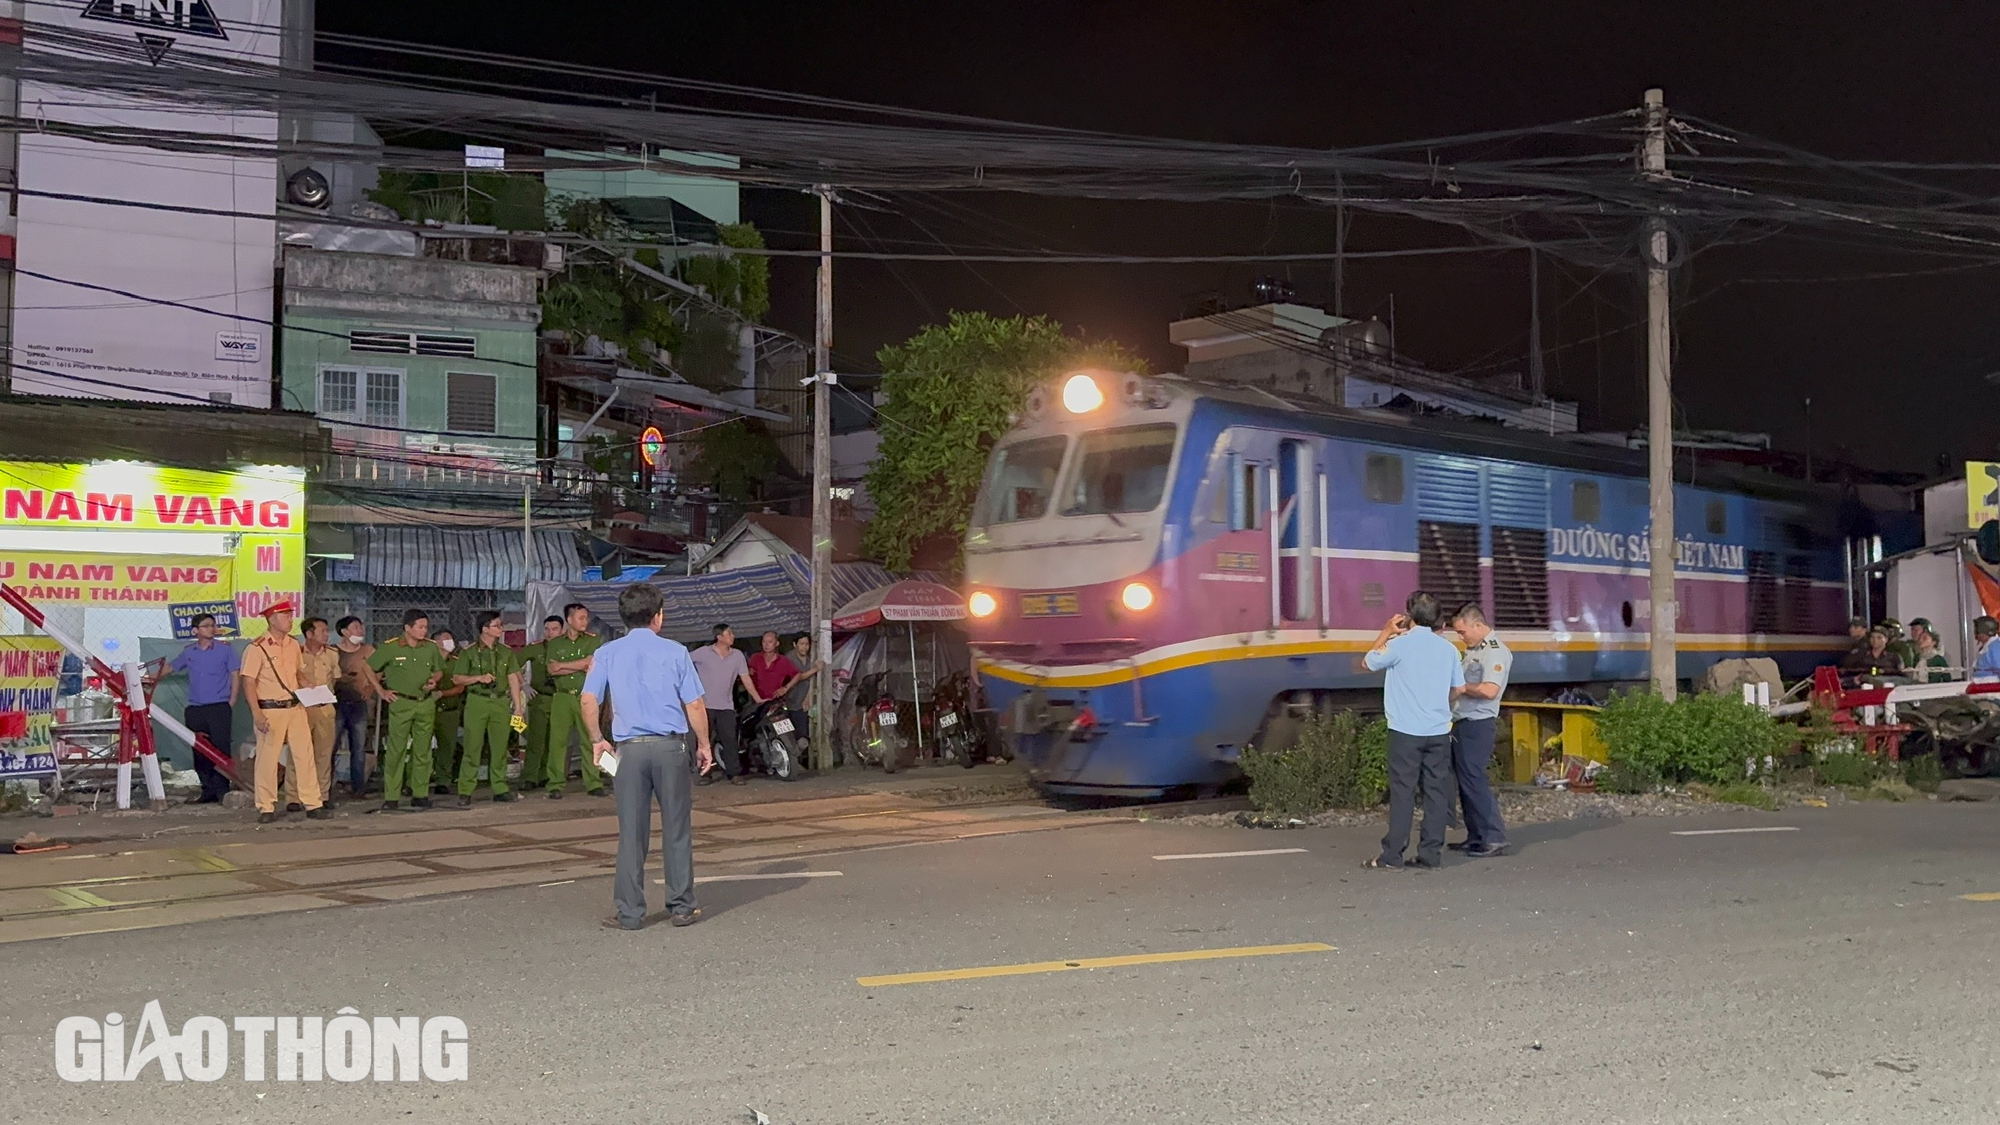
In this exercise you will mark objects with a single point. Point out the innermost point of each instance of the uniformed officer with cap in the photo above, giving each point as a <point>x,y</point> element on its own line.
<point>1475,713</point>
<point>407,669</point>
<point>271,674</point>
<point>568,658</point>
<point>490,673</point>
<point>534,764</point>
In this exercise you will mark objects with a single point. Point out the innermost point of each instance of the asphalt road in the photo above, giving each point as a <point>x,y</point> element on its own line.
<point>1607,972</point>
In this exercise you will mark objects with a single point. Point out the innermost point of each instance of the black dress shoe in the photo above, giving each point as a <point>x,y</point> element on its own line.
<point>266,817</point>
<point>421,803</point>
<point>555,794</point>
<point>597,792</point>
<point>295,807</point>
<point>465,800</point>
<point>509,796</point>
<point>324,812</point>
<point>392,806</point>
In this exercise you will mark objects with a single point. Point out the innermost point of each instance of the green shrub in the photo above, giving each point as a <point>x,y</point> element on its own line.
<point>1337,761</point>
<point>1747,793</point>
<point>1624,777</point>
<point>1923,773</point>
<point>1713,738</point>
<point>1836,766</point>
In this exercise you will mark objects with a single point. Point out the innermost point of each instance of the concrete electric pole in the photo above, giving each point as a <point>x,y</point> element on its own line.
<point>822,556</point>
<point>1660,417</point>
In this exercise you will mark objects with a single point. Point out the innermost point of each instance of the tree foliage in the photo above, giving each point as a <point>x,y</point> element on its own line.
<point>734,459</point>
<point>952,390</point>
<point>741,281</point>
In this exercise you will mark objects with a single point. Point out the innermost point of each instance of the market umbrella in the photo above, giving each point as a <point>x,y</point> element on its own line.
<point>909,601</point>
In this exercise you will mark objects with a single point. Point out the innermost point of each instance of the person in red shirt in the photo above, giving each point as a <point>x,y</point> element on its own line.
<point>772,672</point>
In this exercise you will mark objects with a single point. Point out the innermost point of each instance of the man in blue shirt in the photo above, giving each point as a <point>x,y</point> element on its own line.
<point>656,702</point>
<point>213,670</point>
<point>1423,670</point>
<point>1986,640</point>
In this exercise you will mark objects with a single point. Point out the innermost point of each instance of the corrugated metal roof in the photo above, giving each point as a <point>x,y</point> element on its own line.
<point>461,558</point>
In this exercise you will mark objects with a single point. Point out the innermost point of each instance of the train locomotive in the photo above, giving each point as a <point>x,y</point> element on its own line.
<point>1160,572</point>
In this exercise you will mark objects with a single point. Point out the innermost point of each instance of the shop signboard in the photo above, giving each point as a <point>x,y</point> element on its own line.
<point>81,535</point>
<point>29,670</point>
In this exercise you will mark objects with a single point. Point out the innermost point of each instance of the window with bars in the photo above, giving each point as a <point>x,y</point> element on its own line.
<point>402,342</point>
<point>471,404</point>
<point>1520,578</point>
<point>1762,594</point>
<point>361,395</point>
<point>1448,561</point>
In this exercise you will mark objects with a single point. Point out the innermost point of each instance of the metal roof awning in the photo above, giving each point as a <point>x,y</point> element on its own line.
<point>632,383</point>
<point>461,558</point>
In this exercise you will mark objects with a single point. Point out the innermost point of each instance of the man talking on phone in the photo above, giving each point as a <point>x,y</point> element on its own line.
<point>656,700</point>
<point>1423,671</point>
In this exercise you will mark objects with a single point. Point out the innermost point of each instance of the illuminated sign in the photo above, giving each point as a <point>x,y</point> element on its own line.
<point>1982,492</point>
<point>256,518</point>
<point>653,446</point>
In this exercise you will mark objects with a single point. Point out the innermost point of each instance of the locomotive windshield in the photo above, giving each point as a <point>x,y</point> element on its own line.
<point>1020,481</point>
<point>1120,471</point>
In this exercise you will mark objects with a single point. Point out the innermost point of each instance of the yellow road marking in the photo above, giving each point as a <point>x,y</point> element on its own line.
<point>1092,963</point>
<point>208,860</point>
<point>74,898</point>
<point>1983,896</point>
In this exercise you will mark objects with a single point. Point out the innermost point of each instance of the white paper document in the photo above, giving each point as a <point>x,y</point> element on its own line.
<point>314,696</point>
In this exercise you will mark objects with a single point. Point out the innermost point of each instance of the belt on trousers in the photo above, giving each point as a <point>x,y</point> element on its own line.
<point>276,704</point>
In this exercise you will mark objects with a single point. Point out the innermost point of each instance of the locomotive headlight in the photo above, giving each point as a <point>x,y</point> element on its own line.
<point>1081,394</point>
<point>1136,596</point>
<point>981,604</point>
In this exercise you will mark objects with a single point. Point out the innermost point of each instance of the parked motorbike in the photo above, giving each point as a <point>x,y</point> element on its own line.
<point>769,736</point>
<point>886,741</point>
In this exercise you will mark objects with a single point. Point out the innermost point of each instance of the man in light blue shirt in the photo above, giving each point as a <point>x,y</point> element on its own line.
<point>656,703</point>
<point>1986,638</point>
<point>1423,670</point>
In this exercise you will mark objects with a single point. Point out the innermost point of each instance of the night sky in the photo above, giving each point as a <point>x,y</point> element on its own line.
<point>1895,366</point>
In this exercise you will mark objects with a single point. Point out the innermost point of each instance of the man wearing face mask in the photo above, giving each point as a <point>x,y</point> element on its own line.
<point>450,717</point>
<point>354,697</point>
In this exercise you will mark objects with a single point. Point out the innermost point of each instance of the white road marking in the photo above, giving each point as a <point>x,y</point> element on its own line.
<point>1732,831</point>
<point>758,876</point>
<point>557,883</point>
<point>1233,855</point>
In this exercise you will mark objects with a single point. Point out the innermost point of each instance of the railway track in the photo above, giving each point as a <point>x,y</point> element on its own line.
<point>398,866</point>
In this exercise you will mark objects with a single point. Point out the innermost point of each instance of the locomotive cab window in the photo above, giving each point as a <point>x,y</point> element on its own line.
<point>1718,518</point>
<point>1382,478</point>
<point>1120,471</point>
<point>1586,502</point>
<point>1021,480</point>
<point>1246,492</point>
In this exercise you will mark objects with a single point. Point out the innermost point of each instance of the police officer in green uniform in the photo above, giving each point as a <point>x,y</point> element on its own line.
<point>490,673</point>
<point>450,715</point>
<point>568,659</point>
<point>534,766</point>
<point>407,670</point>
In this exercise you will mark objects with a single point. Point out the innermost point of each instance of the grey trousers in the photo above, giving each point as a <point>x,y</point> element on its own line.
<point>1414,760</point>
<point>653,769</point>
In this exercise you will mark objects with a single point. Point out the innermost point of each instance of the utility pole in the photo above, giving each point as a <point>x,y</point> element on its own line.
<point>1339,245</point>
<point>1537,376</point>
<point>822,557</point>
<point>1660,647</point>
<point>527,551</point>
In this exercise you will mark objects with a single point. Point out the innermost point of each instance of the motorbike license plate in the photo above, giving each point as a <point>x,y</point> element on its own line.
<point>888,719</point>
<point>948,720</point>
<point>782,726</point>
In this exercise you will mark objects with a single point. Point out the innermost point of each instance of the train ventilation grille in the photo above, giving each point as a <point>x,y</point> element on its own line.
<point>1520,578</point>
<point>1763,592</point>
<point>1796,601</point>
<point>1448,561</point>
